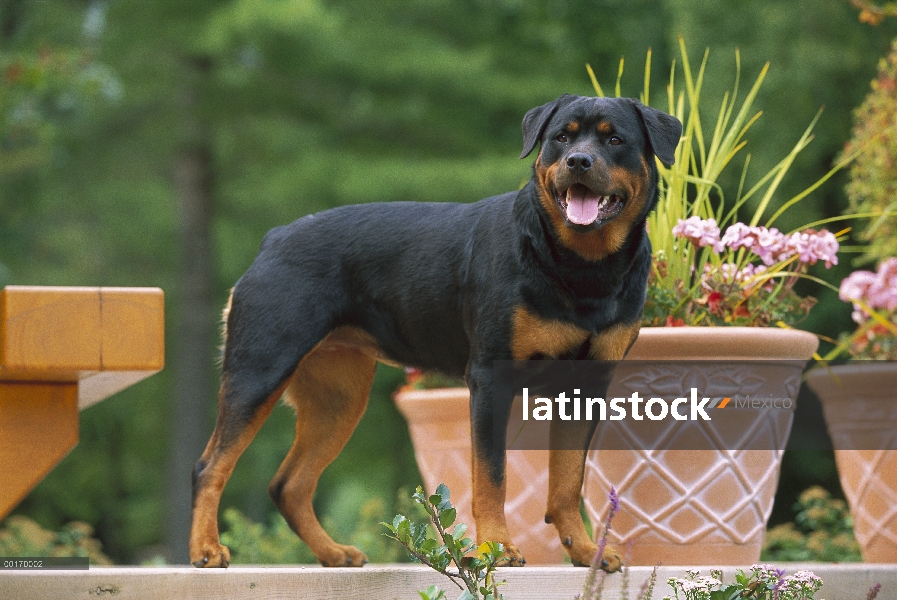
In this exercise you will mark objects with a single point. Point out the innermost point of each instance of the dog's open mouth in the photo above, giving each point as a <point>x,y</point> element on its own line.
<point>582,206</point>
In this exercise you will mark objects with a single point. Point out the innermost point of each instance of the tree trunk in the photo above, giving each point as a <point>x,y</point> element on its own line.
<point>195,326</point>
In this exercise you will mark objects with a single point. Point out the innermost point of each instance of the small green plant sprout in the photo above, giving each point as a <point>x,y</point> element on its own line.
<point>474,575</point>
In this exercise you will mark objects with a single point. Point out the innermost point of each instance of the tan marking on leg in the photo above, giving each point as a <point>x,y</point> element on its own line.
<point>531,335</point>
<point>613,343</point>
<point>565,473</point>
<point>220,457</point>
<point>358,339</point>
<point>329,393</point>
<point>488,506</point>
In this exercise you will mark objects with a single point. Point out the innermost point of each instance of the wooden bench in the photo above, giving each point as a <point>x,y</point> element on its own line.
<point>63,349</point>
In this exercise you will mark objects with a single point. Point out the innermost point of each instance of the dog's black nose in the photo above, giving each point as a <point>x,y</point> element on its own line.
<point>579,162</point>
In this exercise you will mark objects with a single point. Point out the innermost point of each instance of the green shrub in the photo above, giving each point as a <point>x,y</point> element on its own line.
<point>20,536</point>
<point>822,531</point>
<point>873,178</point>
<point>275,543</point>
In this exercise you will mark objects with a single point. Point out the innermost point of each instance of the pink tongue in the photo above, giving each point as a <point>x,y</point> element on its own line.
<point>582,209</point>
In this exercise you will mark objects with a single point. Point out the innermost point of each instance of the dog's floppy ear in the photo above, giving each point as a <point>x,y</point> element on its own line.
<point>664,132</point>
<point>536,119</point>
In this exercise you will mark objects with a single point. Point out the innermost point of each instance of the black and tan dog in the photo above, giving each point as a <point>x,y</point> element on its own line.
<point>556,270</point>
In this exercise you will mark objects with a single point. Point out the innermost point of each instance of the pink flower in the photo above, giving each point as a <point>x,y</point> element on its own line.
<point>769,245</point>
<point>699,232</point>
<point>877,290</point>
<point>738,236</point>
<point>854,286</point>
<point>772,246</point>
<point>883,291</point>
<point>811,246</point>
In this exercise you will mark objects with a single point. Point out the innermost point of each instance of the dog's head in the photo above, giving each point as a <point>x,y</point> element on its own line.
<point>595,173</point>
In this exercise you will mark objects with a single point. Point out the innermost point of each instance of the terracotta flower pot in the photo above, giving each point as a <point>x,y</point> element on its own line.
<point>700,507</point>
<point>439,422</point>
<point>858,401</point>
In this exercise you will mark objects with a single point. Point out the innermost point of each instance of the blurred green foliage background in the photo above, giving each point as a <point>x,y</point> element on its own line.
<point>154,142</point>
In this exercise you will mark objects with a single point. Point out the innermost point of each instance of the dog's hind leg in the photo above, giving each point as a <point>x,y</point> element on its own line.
<point>234,431</point>
<point>330,393</point>
<point>261,353</point>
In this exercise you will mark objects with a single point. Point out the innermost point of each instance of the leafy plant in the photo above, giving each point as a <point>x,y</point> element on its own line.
<point>20,536</point>
<point>873,181</point>
<point>764,582</point>
<point>701,277</point>
<point>822,531</point>
<point>40,90</point>
<point>474,575</point>
<point>256,543</point>
<point>275,543</point>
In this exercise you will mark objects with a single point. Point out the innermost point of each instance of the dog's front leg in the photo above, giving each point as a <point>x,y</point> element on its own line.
<point>488,432</point>
<point>569,442</point>
<point>565,475</point>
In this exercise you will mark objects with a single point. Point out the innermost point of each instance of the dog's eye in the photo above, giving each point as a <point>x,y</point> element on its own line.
<point>562,138</point>
<point>615,141</point>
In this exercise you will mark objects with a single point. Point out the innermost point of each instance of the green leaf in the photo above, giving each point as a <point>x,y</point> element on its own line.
<point>442,490</point>
<point>388,526</point>
<point>420,499</point>
<point>450,542</point>
<point>431,593</point>
<point>465,595</point>
<point>447,518</point>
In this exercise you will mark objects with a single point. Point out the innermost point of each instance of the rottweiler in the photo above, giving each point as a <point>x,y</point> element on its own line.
<point>555,270</point>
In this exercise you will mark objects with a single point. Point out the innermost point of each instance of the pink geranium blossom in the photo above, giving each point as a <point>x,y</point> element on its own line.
<point>876,290</point>
<point>769,244</point>
<point>699,232</point>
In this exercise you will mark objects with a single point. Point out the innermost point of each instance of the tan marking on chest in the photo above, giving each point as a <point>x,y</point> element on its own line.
<point>614,342</point>
<point>532,335</point>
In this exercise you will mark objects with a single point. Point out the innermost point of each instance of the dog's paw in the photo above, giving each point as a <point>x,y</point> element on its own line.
<point>610,561</point>
<point>583,555</point>
<point>342,556</point>
<point>217,556</point>
<point>511,557</point>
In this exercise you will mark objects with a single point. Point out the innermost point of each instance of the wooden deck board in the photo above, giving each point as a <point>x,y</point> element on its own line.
<point>376,582</point>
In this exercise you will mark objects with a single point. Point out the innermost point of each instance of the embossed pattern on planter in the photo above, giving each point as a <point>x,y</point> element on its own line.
<point>680,500</point>
<point>860,411</point>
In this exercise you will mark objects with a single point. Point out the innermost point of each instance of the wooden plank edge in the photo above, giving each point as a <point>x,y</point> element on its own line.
<point>385,582</point>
